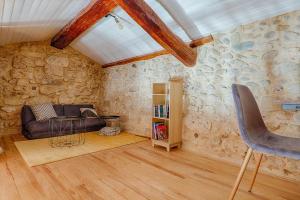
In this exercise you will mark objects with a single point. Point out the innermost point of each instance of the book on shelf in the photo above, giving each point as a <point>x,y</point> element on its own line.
<point>161,111</point>
<point>159,131</point>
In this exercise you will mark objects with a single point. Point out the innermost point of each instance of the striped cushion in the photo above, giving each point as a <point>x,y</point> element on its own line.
<point>88,112</point>
<point>43,111</point>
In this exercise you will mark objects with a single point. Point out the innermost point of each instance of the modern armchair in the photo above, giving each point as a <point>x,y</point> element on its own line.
<point>256,135</point>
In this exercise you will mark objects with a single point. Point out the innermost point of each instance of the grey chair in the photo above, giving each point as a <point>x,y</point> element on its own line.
<point>257,136</point>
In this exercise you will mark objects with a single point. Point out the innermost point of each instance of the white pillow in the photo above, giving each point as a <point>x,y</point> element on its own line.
<point>43,111</point>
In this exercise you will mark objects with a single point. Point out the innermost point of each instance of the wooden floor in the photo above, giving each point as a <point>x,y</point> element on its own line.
<point>131,172</point>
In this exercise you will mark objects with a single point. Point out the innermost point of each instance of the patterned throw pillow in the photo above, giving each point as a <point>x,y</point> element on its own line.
<point>43,111</point>
<point>88,113</point>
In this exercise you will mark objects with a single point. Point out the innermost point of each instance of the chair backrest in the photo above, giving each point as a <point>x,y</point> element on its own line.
<point>250,121</point>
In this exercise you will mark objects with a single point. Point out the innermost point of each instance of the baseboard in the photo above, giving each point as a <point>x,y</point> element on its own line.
<point>10,131</point>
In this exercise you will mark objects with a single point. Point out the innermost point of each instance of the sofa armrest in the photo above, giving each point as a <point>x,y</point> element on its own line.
<point>27,115</point>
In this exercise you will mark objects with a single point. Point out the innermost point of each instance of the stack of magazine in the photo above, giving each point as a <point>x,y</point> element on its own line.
<point>159,131</point>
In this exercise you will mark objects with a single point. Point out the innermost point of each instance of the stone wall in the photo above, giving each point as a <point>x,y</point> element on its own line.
<point>264,55</point>
<point>34,73</point>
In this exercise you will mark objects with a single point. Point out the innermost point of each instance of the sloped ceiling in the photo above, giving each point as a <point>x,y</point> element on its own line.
<point>35,20</point>
<point>105,42</point>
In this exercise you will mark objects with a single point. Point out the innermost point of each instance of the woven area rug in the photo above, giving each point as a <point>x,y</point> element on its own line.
<point>39,151</point>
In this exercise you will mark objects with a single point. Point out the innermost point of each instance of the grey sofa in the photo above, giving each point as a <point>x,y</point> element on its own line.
<point>33,129</point>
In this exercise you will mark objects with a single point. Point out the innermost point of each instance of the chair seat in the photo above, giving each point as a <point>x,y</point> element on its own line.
<point>272,143</point>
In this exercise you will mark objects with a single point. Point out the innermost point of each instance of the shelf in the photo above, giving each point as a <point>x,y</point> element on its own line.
<point>164,118</point>
<point>159,88</point>
<point>158,142</point>
<point>167,95</point>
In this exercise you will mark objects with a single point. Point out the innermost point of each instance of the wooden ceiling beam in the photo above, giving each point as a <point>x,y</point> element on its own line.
<point>201,41</point>
<point>193,44</point>
<point>84,20</point>
<point>155,27</point>
<point>136,58</point>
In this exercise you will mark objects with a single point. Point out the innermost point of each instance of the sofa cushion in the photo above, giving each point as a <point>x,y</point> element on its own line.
<point>44,126</point>
<point>38,126</point>
<point>27,115</point>
<point>89,122</point>
<point>74,110</point>
<point>43,111</point>
<point>59,109</point>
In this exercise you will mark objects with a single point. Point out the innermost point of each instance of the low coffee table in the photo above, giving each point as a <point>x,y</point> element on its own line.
<point>59,138</point>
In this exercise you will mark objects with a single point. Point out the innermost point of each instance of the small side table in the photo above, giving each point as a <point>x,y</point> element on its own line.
<point>112,125</point>
<point>59,138</point>
<point>111,120</point>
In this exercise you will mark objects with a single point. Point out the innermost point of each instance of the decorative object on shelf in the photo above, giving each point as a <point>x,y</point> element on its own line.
<point>167,113</point>
<point>112,125</point>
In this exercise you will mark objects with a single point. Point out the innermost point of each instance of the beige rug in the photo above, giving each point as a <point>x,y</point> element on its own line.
<point>37,152</point>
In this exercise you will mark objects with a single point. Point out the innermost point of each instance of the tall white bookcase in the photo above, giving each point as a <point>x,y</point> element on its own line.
<point>170,93</point>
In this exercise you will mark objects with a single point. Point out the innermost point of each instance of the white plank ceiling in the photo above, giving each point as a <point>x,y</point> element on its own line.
<point>105,42</point>
<point>35,20</point>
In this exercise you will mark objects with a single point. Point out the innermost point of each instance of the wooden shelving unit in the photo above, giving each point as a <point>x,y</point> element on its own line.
<point>171,94</point>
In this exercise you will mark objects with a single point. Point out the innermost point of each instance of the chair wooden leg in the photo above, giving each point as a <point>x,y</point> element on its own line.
<point>255,172</point>
<point>241,173</point>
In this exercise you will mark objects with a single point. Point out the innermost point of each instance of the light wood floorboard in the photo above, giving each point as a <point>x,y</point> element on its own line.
<point>131,172</point>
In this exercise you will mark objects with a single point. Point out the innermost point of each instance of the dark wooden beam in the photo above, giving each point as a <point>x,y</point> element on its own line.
<point>201,41</point>
<point>84,20</point>
<point>193,44</point>
<point>155,27</point>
